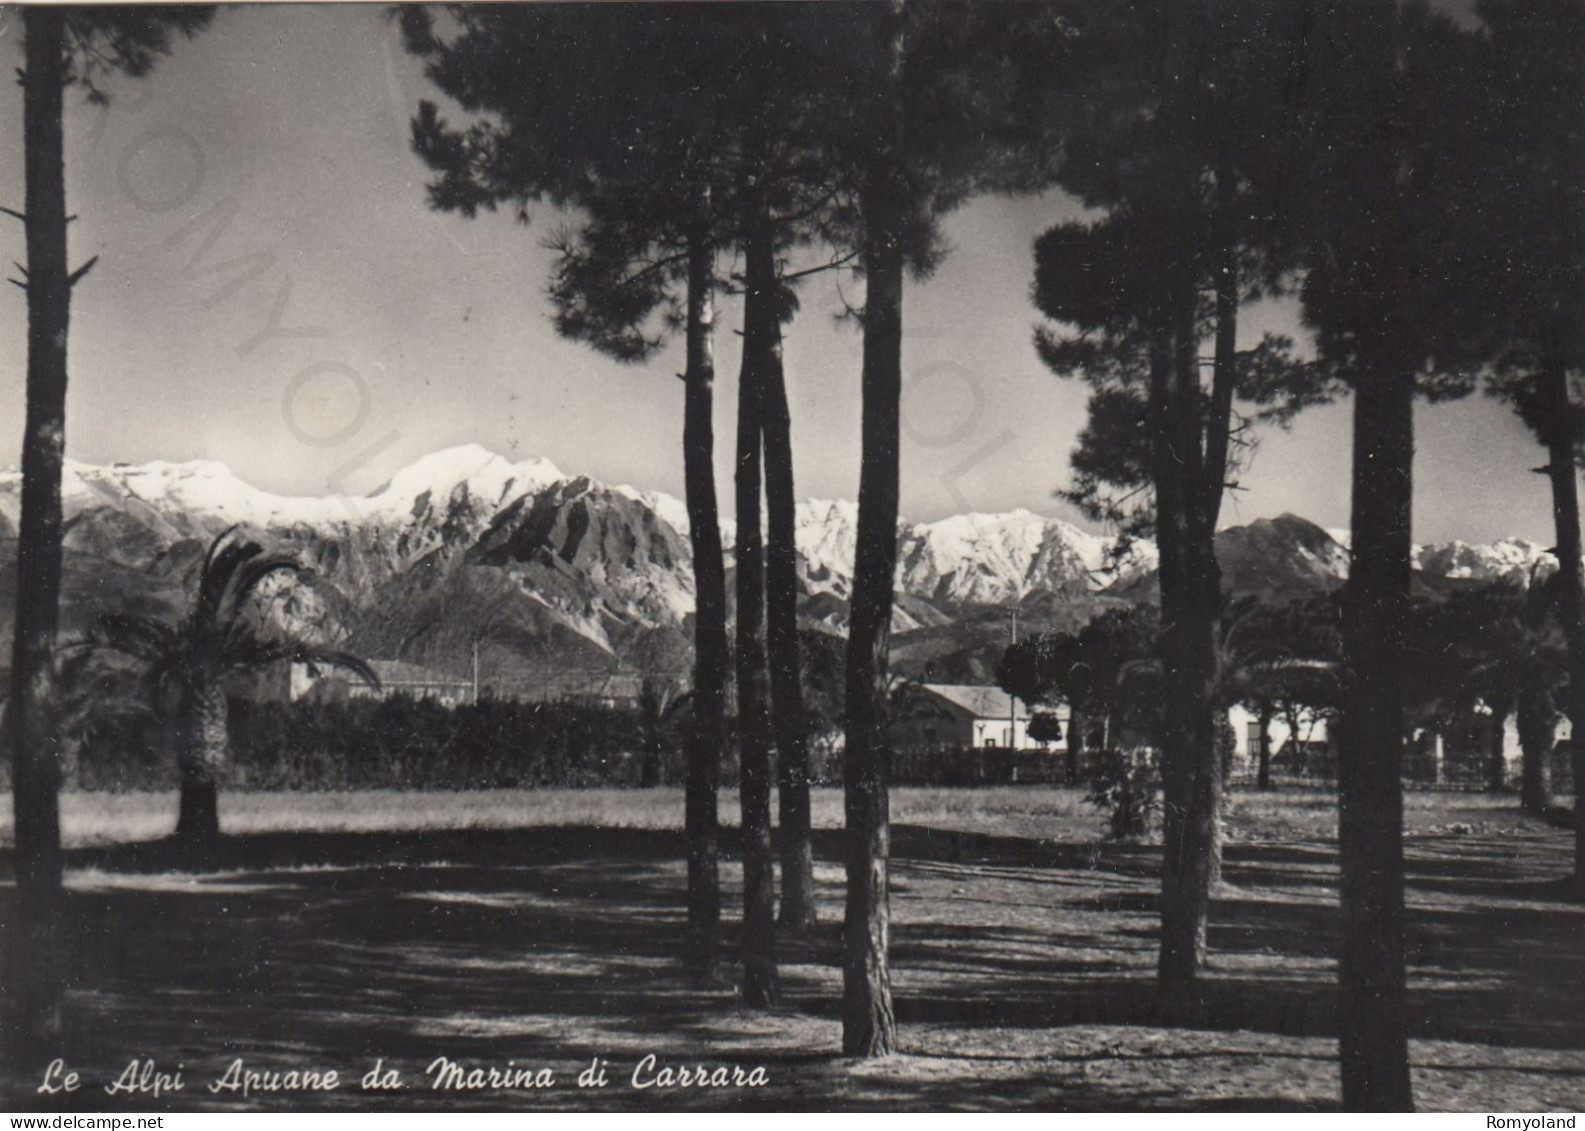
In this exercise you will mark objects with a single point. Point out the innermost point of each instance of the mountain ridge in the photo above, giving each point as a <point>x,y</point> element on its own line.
<point>546,569</point>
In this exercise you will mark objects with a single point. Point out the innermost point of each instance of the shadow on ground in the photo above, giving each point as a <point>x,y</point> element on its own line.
<point>1022,971</point>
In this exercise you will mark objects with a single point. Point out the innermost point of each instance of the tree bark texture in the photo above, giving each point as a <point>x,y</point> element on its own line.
<point>205,750</point>
<point>34,971</point>
<point>1535,715</point>
<point>1188,465</point>
<point>1372,992</point>
<point>760,333</point>
<point>1263,764</point>
<point>1190,765</point>
<point>712,655</point>
<point>1496,757</point>
<point>781,602</point>
<point>1075,747</point>
<point>869,1025</point>
<point>1564,475</point>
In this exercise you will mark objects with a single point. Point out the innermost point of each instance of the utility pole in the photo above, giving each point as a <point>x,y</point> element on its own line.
<point>475,671</point>
<point>1012,700</point>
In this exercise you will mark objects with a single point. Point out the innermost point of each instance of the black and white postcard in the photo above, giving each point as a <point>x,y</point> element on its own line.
<point>892,555</point>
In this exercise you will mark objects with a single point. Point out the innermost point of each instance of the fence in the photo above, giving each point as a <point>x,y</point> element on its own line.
<point>1419,773</point>
<point>917,765</point>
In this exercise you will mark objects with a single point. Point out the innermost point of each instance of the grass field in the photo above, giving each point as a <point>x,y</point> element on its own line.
<point>542,929</point>
<point>1041,813</point>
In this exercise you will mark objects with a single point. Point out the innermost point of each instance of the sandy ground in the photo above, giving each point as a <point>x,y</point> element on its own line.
<point>1023,951</point>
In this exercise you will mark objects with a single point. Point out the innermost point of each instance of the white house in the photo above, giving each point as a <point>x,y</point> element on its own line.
<point>957,716</point>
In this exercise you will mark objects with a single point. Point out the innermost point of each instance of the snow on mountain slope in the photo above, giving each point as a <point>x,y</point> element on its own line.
<point>668,508</point>
<point>988,559</point>
<point>1510,559</point>
<point>484,476</point>
<point>1507,559</point>
<point>826,534</point>
<point>209,489</point>
<point>448,499</point>
<point>606,562</point>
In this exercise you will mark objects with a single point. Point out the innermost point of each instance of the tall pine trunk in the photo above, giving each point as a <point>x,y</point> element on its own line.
<point>760,329</point>
<point>1564,475</point>
<point>205,750</point>
<point>869,1025</point>
<point>1263,763</point>
<point>1188,455</point>
<point>1213,480</point>
<point>1190,765</point>
<point>1224,372</point>
<point>1535,715</point>
<point>711,652</point>
<point>781,606</point>
<point>1496,753</point>
<point>34,974</point>
<point>1372,990</point>
<point>1073,770</point>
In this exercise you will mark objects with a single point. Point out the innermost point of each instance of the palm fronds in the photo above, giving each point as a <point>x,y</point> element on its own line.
<point>140,637</point>
<point>261,651</point>
<point>221,632</point>
<point>225,554</point>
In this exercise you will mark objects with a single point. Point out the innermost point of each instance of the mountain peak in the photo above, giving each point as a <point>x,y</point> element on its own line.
<point>198,486</point>
<point>488,477</point>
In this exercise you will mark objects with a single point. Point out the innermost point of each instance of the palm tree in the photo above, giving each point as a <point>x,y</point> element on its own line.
<point>223,632</point>
<point>660,702</point>
<point>1262,653</point>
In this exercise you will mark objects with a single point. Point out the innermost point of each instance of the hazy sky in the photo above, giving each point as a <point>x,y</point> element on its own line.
<point>273,292</point>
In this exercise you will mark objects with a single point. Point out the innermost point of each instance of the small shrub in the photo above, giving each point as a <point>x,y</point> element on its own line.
<point>1124,786</point>
<point>1045,727</point>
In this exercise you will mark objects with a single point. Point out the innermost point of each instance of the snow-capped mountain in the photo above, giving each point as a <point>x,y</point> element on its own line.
<point>1510,559</point>
<point>827,537</point>
<point>990,559</point>
<point>993,559</point>
<point>1507,559</point>
<point>1289,556</point>
<point>464,544</point>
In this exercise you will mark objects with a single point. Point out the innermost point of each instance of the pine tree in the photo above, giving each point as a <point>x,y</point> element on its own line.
<point>637,144</point>
<point>1529,182</point>
<point>929,110</point>
<point>1178,148</point>
<point>1386,290</point>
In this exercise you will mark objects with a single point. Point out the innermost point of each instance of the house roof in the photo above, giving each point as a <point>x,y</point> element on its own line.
<point>981,702</point>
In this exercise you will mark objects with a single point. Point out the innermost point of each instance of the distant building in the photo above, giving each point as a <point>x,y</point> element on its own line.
<point>958,716</point>
<point>1303,751</point>
<point>397,677</point>
<point>1456,752</point>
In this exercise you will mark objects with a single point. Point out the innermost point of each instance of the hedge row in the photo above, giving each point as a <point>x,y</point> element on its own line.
<point>396,743</point>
